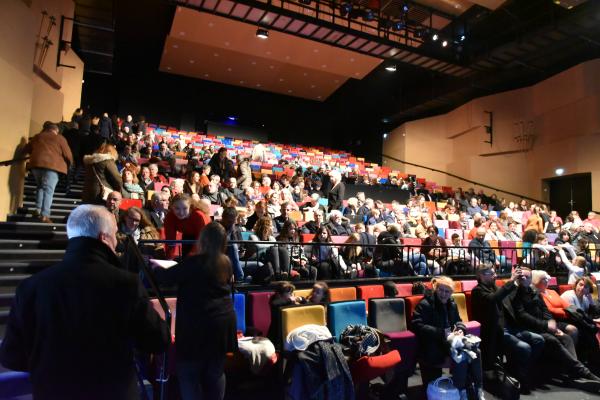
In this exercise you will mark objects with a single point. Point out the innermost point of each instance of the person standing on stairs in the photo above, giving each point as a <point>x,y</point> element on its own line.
<point>49,156</point>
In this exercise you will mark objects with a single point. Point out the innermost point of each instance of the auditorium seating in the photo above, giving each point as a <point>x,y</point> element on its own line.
<point>297,316</point>
<point>344,313</point>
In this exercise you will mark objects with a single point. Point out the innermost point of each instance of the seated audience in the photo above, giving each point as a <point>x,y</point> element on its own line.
<point>131,188</point>
<point>319,293</point>
<point>336,226</point>
<point>435,250</point>
<point>298,260</point>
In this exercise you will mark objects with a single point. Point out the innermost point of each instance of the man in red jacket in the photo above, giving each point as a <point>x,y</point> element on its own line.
<point>50,156</point>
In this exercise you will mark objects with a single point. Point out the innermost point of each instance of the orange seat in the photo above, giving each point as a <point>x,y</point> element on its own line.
<point>343,293</point>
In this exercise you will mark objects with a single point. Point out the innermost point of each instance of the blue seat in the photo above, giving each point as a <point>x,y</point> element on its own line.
<point>344,313</point>
<point>239,305</point>
<point>246,235</point>
<point>14,384</point>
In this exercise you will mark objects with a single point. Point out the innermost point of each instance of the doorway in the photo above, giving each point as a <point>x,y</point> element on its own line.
<point>570,192</point>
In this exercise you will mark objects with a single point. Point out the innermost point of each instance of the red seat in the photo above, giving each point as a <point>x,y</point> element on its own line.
<point>411,303</point>
<point>564,288</point>
<point>367,368</point>
<point>468,285</point>
<point>366,292</point>
<point>404,289</point>
<point>126,203</point>
<point>307,237</point>
<point>259,311</point>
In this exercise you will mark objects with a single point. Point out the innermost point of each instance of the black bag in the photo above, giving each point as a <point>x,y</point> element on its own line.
<point>578,318</point>
<point>501,385</point>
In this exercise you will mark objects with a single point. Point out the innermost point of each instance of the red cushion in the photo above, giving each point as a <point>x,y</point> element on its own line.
<point>366,368</point>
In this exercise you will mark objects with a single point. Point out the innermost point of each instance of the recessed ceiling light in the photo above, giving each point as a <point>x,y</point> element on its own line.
<point>211,24</point>
<point>315,50</point>
<point>268,53</point>
<point>357,74</point>
<point>559,171</point>
<point>290,91</point>
<point>192,61</point>
<point>305,74</point>
<point>352,60</point>
<point>181,33</point>
<point>216,54</point>
<point>258,85</point>
<point>318,97</point>
<point>336,81</point>
<point>262,33</point>
<point>281,79</point>
<point>324,66</point>
<point>206,75</point>
<point>253,63</point>
<point>444,43</point>
<point>229,69</point>
<point>312,86</point>
<point>242,82</point>
<point>271,67</point>
<point>287,57</point>
<point>168,68</point>
<point>227,43</point>
<point>175,46</point>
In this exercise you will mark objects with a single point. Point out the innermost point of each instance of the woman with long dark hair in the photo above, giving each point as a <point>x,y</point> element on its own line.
<point>206,322</point>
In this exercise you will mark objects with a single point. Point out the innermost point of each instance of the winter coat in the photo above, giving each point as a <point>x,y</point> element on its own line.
<point>49,151</point>
<point>100,169</point>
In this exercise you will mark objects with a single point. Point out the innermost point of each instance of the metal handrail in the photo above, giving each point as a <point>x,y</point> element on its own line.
<point>6,163</point>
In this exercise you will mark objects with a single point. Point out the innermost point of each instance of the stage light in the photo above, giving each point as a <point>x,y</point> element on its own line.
<point>405,7</point>
<point>368,15</point>
<point>559,171</point>
<point>232,118</point>
<point>391,68</point>
<point>262,33</point>
<point>462,38</point>
<point>385,135</point>
<point>397,25</point>
<point>385,120</point>
<point>435,37</point>
<point>345,9</point>
<point>444,43</point>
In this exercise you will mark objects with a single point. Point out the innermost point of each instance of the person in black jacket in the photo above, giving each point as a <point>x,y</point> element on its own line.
<point>527,311</point>
<point>74,326</point>
<point>434,319</point>
<point>221,165</point>
<point>336,194</point>
<point>486,303</point>
<point>206,322</point>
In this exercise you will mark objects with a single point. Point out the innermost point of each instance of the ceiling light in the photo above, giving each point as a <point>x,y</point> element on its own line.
<point>385,120</point>
<point>368,15</point>
<point>262,33</point>
<point>385,135</point>
<point>83,81</point>
<point>435,37</point>
<point>462,38</point>
<point>444,43</point>
<point>391,68</point>
<point>397,25</point>
<point>559,171</point>
<point>232,118</point>
<point>345,9</point>
<point>405,7</point>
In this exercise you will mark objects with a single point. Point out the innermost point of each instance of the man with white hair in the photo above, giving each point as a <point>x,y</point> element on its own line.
<point>336,225</point>
<point>74,326</point>
<point>337,192</point>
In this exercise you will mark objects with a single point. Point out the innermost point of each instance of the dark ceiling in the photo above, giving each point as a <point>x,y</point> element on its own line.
<point>518,44</point>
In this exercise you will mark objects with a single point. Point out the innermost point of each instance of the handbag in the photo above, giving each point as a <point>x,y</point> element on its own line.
<point>501,384</point>
<point>442,389</point>
<point>106,190</point>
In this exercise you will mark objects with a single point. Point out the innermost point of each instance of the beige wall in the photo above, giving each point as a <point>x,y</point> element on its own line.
<point>26,100</point>
<point>563,111</point>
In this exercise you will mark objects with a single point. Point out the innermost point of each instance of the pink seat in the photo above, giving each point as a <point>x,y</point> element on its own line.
<point>339,239</point>
<point>259,311</point>
<point>404,289</point>
<point>468,285</point>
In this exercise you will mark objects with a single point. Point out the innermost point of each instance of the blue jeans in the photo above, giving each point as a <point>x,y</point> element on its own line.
<point>522,349</point>
<point>46,181</point>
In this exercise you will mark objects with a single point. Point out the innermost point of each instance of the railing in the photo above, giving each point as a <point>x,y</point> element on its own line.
<point>390,260</point>
<point>466,180</point>
<point>6,163</point>
<point>151,280</point>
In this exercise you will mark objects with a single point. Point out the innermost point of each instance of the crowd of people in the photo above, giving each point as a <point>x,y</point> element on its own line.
<point>127,160</point>
<point>256,237</point>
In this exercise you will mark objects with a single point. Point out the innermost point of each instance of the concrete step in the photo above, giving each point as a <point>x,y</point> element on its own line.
<point>62,219</point>
<point>19,227</point>
<point>57,212</point>
<point>55,244</point>
<point>34,235</point>
<point>12,280</point>
<point>11,267</point>
<point>30,255</point>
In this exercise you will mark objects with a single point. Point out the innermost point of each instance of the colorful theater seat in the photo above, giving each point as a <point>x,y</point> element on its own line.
<point>239,305</point>
<point>343,293</point>
<point>366,292</point>
<point>297,316</point>
<point>342,314</point>
<point>259,311</point>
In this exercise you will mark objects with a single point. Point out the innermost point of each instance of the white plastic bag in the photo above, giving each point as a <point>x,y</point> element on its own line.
<point>442,389</point>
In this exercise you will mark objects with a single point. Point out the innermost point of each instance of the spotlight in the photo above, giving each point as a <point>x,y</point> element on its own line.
<point>405,7</point>
<point>232,118</point>
<point>559,171</point>
<point>262,33</point>
<point>385,135</point>
<point>462,38</point>
<point>368,15</point>
<point>397,25</point>
<point>444,43</point>
<point>345,9</point>
<point>434,37</point>
<point>391,68</point>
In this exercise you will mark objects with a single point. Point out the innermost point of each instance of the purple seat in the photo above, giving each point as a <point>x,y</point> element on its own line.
<point>259,311</point>
<point>509,252</point>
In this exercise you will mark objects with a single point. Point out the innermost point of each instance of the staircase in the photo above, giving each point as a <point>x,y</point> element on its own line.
<point>27,245</point>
